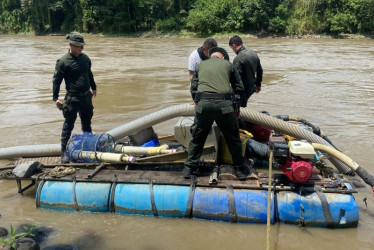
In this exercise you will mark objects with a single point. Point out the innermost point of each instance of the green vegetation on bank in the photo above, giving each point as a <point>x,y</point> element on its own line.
<point>285,17</point>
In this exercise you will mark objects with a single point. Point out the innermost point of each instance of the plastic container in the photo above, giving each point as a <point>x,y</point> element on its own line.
<point>250,205</point>
<point>143,136</point>
<point>169,201</point>
<point>83,196</point>
<point>224,153</point>
<point>293,206</point>
<point>151,143</point>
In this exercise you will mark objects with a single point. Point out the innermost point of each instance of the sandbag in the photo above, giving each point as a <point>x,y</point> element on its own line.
<point>27,169</point>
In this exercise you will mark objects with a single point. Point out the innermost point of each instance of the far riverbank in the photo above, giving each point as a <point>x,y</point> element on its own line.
<point>186,34</point>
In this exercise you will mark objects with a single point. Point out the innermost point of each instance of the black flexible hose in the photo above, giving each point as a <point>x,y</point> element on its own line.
<point>315,130</point>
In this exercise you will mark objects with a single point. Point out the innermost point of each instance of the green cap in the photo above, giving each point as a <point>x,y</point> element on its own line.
<point>220,50</point>
<point>75,38</point>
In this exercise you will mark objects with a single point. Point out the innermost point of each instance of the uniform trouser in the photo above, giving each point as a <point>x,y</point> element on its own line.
<point>222,112</point>
<point>77,104</point>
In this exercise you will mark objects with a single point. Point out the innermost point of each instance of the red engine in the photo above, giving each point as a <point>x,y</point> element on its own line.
<point>297,171</point>
<point>260,133</point>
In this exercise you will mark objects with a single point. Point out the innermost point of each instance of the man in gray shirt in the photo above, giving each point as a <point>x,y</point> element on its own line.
<point>199,55</point>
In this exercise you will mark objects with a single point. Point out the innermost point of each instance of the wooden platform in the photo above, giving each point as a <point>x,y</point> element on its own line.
<point>165,174</point>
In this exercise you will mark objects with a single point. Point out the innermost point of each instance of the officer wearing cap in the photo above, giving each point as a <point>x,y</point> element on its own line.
<point>75,69</point>
<point>212,86</point>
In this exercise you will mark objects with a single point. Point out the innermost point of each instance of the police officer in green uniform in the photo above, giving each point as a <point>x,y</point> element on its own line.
<point>75,68</point>
<point>212,86</point>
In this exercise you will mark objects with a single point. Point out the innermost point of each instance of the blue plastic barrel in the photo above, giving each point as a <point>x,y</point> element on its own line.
<point>250,205</point>
<point>292,207</point>
<point>89,196</point>
<point>133,199</point>
<point>169,201</point>
<point>211,204</point>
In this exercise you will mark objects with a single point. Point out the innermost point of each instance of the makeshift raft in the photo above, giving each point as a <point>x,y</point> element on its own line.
<point>165,193</point>
<point>154,185</point>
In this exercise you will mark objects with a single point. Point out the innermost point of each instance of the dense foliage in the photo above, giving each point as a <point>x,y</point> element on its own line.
<point>295,17</point>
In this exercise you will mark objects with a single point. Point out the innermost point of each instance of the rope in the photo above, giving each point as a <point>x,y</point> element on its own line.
<point>4,174</point>
<point>269,202</point>
<point>61,171</point>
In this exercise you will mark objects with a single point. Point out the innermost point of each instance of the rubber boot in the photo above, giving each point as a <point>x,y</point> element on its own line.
<point>240,172</point>
<point>64,157</point>
<point>187,172</point>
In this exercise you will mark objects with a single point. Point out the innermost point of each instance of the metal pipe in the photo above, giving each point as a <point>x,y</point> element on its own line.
<point>105,157</point>
<point>134,150</point>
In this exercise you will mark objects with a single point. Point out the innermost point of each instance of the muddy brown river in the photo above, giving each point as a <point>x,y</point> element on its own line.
<point>325,81</point>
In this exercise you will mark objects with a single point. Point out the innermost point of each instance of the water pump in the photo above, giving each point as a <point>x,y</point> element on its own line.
<point>298,171</point>
<point>294,160</point>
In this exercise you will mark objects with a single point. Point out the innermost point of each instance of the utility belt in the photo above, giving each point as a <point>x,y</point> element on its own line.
<point>67,105</point>
<point>214,96</point>
<point>79,94</point>
<point>235,98</point>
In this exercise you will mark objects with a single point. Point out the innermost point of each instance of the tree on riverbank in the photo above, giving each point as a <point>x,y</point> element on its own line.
<point>290,17</point>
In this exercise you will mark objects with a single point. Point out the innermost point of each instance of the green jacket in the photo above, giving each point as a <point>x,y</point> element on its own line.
<point>216,75</point>
<point>248,64</point>
<point>76,71</point>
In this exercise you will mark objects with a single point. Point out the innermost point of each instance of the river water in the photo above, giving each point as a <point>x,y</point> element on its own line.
<point>325,81</point>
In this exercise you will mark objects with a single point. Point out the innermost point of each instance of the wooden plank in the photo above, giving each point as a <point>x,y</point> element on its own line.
<point>166,138</point>
<point>43,160</point>
<point>172,178</point>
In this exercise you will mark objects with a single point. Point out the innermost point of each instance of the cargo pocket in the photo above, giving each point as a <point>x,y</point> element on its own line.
<point>199,109</point>
<point>89,100</point>
<point>227,110</point>
<point>65,113</point>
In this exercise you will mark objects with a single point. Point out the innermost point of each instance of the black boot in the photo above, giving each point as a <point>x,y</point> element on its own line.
<point>64,157</point>
<point>187,172</point>
<point>240,172</point>
<point>248,168</point>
